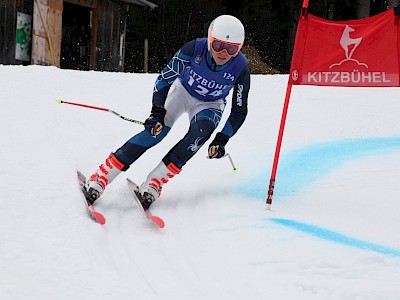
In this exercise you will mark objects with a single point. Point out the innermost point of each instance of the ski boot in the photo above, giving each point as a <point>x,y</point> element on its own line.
<point>98,181</point>
<point>150,190</point>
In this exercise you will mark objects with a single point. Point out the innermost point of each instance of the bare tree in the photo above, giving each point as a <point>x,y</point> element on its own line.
<point>329,6</point>
<point>393,3</point>
<point>363,9</point>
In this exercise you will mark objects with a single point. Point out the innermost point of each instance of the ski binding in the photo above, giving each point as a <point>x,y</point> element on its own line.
<point>135,189</point>
<point>95,215</point>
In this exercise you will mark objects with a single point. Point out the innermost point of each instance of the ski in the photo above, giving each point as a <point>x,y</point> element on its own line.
<point>156,220</point>
<point>95,215</point>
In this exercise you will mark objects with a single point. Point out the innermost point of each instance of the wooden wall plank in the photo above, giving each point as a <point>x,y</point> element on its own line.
<point>3,22</point>
<point>86,3</point>
<point>46,39</point>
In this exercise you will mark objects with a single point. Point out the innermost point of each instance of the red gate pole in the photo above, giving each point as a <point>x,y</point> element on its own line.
<point>278,146</point>
<point>271,187</point>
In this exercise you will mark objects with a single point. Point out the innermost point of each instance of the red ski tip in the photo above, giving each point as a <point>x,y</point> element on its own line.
<point>99,217</point>
<point>158,221</point>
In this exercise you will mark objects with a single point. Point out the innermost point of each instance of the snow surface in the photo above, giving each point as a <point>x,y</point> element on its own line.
<point>332,234</point>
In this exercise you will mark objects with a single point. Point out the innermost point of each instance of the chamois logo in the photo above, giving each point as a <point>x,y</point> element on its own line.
<point>349,45</point>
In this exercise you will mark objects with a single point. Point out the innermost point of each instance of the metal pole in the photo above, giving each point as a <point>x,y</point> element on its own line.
<point>146,56</point>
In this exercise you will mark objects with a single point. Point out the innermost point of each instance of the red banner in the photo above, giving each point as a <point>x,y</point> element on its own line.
<point>364,52</point>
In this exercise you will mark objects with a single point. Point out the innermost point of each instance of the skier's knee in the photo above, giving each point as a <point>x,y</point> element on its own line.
<point>199,132</point>
<point>202,128</point>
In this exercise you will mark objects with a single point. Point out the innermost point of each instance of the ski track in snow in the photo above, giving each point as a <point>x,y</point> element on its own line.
<point>332,233</point>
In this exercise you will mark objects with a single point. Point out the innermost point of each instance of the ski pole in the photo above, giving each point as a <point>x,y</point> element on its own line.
<point>59,101</point>
<point>234,169</point>
<point>233,165</point>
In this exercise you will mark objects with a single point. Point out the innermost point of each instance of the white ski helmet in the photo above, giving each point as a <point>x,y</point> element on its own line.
<point>226,28</point>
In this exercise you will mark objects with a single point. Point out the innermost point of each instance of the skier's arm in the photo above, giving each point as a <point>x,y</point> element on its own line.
<point>238,114</point>
<point>179,61</point>
<point>239,104</point>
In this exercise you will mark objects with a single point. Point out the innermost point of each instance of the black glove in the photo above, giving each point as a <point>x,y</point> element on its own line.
<point>217,146</point>
<point>155,123</point>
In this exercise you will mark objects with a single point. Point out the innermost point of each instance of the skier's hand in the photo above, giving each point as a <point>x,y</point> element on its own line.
<point>217,146</point>
<point>155,123</point>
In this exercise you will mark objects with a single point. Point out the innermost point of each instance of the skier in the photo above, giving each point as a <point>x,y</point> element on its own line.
<point>197,80</point>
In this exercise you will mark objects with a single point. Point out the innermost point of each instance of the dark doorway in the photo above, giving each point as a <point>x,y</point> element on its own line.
<point>76,37</point>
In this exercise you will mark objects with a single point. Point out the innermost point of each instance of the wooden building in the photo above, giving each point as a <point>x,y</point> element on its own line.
<point>71,34</point>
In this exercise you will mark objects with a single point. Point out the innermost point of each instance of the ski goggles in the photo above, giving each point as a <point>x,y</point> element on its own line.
<point>230,48</point>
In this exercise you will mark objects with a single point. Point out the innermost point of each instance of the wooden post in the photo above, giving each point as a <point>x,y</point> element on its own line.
<point>146,56</point>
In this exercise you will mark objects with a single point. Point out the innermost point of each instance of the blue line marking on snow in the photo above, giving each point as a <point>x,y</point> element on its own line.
<point>300,168</point>
<point>335,237</point>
